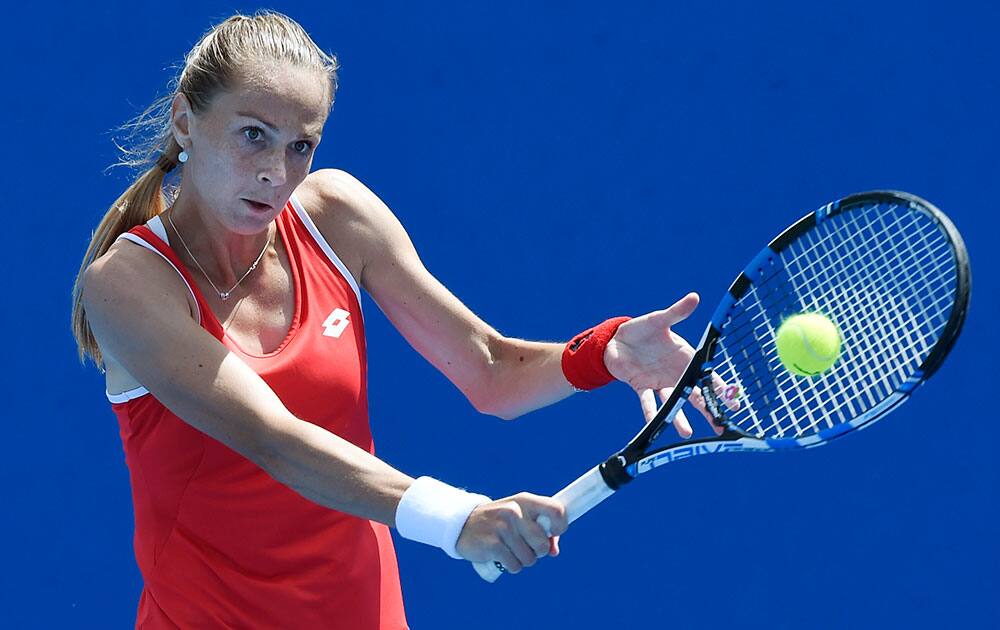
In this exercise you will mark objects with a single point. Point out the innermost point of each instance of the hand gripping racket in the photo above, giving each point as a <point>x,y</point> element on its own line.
<point>888,268</point>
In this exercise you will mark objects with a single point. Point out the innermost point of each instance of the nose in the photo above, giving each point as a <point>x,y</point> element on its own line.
<point>273,171</point>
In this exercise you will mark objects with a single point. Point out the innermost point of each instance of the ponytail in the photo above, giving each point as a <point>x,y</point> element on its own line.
<point>143,200</point>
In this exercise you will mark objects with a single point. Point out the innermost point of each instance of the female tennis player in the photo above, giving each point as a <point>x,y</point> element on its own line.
<point>225,312</point>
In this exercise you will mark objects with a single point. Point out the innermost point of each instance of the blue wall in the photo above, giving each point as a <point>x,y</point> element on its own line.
<point>640,149</point>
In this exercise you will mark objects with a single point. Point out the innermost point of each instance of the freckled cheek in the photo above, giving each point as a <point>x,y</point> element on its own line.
<point>238,159</point>
<point>226,174</point>
<point>298,169</point>
<point>220,160</point>
<point>245,167</point>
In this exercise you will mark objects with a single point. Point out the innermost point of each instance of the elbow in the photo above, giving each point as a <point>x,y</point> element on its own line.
<point>496,412</point>
<point>509,415</point>
<point>494,401</point>
<point>488,398</point>
<point>485,404</point>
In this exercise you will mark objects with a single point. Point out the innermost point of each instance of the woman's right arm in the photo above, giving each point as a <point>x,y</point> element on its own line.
<point>139,313</point>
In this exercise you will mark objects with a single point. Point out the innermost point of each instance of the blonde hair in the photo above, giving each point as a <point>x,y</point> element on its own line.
<point>212,66</point>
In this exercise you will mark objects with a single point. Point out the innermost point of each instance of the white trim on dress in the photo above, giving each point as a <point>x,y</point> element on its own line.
<point>128,395</point>
<point>318,237</point>
<point>156,225</point>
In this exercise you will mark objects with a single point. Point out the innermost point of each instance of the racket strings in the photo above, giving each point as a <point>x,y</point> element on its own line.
<point>779,291</point>
<point>881,254</point>
<point>870,301</point>
<point>884,361</point>
<point>885,274</point>
<point>883,304</point>
<point>784,302</point>
<point>810,395</point>
<point>851,298</point>
<point>899,318</point>
<point>778,299</point>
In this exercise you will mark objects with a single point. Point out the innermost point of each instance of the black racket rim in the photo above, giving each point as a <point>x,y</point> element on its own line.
<point>695,372</point>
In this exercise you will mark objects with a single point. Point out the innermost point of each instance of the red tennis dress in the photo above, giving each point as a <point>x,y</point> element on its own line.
<point>221,544</point>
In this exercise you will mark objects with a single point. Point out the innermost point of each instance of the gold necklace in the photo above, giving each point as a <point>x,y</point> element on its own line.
<point>224,295</point>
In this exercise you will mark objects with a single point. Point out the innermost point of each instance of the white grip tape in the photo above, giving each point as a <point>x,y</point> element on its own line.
<point>579,498</point>
<point>434,513</point>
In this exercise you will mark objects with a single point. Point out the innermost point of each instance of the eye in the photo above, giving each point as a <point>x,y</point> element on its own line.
<point>302,146</point>
<point>253,133</point>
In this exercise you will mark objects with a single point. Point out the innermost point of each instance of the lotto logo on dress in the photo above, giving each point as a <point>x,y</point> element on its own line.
<point>336,322</point>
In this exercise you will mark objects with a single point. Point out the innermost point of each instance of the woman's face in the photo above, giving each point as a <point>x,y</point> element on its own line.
<point>255,143</point>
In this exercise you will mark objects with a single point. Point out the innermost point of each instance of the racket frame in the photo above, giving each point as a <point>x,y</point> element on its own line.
<point>600,482</point>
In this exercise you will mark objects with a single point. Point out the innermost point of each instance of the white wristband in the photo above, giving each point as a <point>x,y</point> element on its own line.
<point>434,513</point>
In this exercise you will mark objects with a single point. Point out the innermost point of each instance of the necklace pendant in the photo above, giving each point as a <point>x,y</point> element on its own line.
<point>225,295</point>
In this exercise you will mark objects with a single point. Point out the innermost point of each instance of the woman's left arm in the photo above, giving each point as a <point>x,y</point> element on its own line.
<point>500,376</point>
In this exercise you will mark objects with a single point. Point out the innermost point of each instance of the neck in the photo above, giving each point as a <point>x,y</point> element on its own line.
<point>224,255</point>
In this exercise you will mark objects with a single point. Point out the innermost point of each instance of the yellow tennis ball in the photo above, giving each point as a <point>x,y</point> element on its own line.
<point>808,344</point>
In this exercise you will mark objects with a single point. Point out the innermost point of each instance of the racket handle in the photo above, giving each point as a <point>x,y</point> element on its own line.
<point>579,498</point>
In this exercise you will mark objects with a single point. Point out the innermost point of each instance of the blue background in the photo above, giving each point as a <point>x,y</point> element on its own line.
<point>555,165</point>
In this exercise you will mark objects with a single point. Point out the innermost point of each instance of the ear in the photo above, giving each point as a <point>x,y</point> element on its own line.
<point>180,120</point>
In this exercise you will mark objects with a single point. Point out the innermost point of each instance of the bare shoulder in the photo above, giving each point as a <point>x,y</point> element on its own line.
<point>356,223</point>
<point>124,278</point>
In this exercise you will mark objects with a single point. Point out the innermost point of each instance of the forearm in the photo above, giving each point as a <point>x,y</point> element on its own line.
<point>328,470</point>
<point>526,375</point>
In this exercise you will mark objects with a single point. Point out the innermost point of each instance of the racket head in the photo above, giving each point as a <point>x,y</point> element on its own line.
<point>888,268</point>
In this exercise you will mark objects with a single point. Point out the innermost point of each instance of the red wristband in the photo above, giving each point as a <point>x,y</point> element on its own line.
<point>583,358</point>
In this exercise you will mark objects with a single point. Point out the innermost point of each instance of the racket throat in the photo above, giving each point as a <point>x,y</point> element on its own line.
<point>615,471</point>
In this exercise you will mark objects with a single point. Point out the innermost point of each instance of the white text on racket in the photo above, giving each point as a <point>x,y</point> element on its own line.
<point>683,452</point>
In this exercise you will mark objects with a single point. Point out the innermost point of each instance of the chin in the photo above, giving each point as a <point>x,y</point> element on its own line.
<point>249,225</point>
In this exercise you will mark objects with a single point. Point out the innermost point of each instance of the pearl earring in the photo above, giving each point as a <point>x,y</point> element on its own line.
<point>182,157</point>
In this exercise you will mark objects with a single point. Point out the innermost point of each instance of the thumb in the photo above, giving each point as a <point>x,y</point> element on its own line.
<point>550,514</point>
<point>677,312</point>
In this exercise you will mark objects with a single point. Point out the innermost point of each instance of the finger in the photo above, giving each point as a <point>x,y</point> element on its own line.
<point>728,394</point>
<point>552,518</point>
<point>535,535</point>
<point>681,423</point>
<point>519,544</point>
<point>505,557</point>
<point>648,401</point>
<point>548,513</point>
<point>676,312</point>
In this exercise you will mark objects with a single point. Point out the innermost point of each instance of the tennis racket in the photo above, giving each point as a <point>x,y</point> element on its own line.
<point>892,273</point>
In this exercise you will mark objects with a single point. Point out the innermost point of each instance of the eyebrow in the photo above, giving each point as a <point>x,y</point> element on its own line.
<point>272,126</point>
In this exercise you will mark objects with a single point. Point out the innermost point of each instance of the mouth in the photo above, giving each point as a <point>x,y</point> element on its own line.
<point>258,206</point>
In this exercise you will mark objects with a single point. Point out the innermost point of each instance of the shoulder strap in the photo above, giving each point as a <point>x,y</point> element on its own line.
<point>145,236</point>
<point>317,236</point>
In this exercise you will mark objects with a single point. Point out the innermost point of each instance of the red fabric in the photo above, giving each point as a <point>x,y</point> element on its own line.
<point>583,356</point>
<point>221,544</point>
